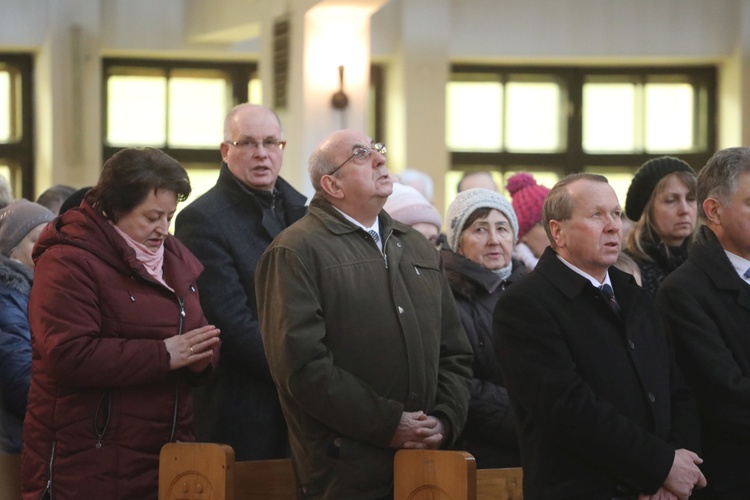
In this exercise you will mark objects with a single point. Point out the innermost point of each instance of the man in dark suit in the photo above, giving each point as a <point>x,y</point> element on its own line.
<point>706,305</point>
<point>228,229</point>
<point>602,412</point>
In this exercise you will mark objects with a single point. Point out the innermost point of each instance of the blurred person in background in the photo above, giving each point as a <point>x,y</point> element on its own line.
<point>6,193</point>
<point>54,197</point>
<point>421,181</point>
<point>118,337</point>
<point>21,222</point>
<point>528,198</point>
<point>408,206</point>
<point>661,201</point>
<point>477,179</point>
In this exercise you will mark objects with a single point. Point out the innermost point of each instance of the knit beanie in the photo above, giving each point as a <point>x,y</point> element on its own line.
<point>17,220</point>
<point>528,198</point>
<point>645,181</point>
<point>407,205</point>
<point>467,202</point>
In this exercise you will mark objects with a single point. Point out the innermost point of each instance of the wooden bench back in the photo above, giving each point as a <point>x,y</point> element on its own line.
<point>452,475</point>
<point>430,474</point>
<point>197,471</point>
<point>500,484</point>
<point>265,480</point>
<point>10,477</point>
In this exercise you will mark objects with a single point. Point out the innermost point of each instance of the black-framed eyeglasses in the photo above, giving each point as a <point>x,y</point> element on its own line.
<point>250,145</point>
<point>361,154</point>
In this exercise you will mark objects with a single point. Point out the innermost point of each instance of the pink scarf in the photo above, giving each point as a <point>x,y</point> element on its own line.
<point>152,261</point>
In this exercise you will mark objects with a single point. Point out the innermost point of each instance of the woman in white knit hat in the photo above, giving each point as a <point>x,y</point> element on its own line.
<point>482,232</point>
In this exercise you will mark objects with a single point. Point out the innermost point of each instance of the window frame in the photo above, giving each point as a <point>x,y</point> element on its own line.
<point>240,74</point>
<point>573,158</point>
<point>20,154</point>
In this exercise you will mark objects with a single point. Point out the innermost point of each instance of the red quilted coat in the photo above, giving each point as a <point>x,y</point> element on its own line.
<point>103,401</point>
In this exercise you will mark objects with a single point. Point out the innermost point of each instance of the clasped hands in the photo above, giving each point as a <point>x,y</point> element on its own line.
<point>683,477</point>
<point>193,349</point>
<point>418,431</point>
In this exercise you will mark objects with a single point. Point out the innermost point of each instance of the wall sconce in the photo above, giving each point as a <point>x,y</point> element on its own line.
<point>339,99</point>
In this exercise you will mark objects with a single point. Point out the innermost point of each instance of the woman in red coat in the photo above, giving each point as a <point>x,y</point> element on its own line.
<point>118,337</point>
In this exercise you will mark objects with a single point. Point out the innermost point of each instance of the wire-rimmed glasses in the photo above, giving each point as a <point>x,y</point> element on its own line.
<point>361,154</point>
<point>251,145</point>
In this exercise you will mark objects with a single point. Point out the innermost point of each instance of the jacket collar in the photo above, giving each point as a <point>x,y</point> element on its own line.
<point>292,198</point>
<point>337,223</point>
<point>87,229</point>
<point>707,253</point>
<point>15,275</point>
<point>465,274</point>
<point>572,284</point>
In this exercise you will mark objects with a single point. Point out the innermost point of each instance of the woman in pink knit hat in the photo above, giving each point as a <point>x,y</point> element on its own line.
<point>527,198</point>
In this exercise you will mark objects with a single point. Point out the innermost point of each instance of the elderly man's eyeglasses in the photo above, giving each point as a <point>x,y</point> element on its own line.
<point>250,145</point>
<point>361,154</point>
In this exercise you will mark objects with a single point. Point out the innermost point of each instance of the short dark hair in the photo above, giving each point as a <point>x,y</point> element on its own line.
<point>130,174</point>
<point>54,196</point>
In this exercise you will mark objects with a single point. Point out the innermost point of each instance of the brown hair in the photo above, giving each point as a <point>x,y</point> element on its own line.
<point>130,174</point>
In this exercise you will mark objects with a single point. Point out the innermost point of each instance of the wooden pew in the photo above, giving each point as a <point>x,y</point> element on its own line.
<point>500,484</point>
<point>265,480</point>
<point>208,470</point>
<point>10,477</point>
<point>452,475</point>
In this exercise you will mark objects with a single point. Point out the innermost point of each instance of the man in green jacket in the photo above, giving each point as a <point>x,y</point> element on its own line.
<point>360,330</point>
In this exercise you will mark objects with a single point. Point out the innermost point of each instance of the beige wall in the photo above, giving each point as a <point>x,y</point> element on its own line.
<point>416,39</point>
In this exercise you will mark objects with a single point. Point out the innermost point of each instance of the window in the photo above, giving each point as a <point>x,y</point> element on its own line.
<point>552,121</point>
<point>176,106</point>
<point>16,124</point>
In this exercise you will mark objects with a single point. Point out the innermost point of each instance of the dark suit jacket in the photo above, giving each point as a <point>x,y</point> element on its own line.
<point>706,306</point>
<point>226,230</point>
<point>598,400</point>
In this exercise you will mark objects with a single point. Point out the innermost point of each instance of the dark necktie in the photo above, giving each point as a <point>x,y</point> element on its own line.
<point>374,235</point>
<point>609,296</point>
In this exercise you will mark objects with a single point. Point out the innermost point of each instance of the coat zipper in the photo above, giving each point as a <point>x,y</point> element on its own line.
<point>385,243</point>
<point>181,301</point>
<point>48,489</point>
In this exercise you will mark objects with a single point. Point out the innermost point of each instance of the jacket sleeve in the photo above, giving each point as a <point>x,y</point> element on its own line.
<point>66,318</point>
<point>15,353</point>
<point>454,372</point>
<point>541,375</point>
<point>302,366</point>
<point>490,415</point>
<point>223,294</point>
<point>706,354</point>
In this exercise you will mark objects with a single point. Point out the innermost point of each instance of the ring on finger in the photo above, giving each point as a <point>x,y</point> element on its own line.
<point>191,350</point>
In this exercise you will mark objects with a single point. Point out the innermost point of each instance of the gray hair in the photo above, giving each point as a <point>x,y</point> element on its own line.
<point>319,165</point>
<point>558,205</point>
<point>240,107</point>
<point>421,181</point>
<point>6,193</point>
<point>719,179</point>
